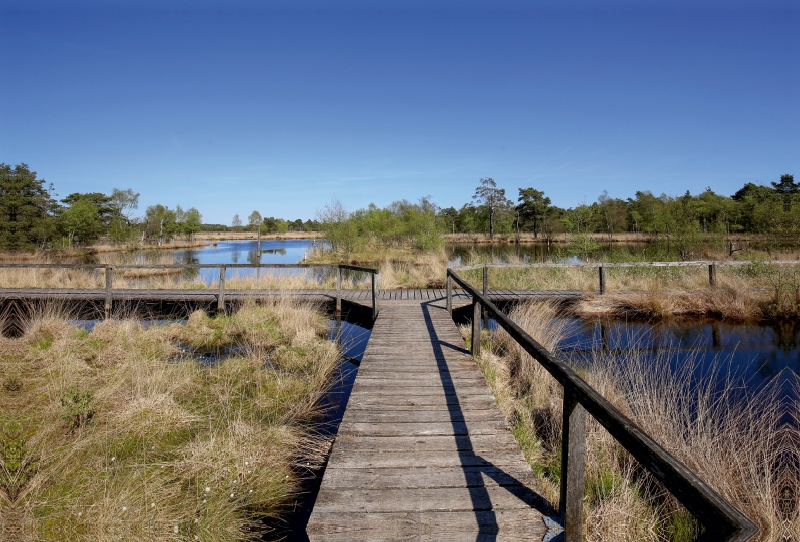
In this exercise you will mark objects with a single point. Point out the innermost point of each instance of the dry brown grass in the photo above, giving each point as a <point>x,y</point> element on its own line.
<point>736,297</point>
<point>119,434</point>
<point>138,278</point>
<point>428,270</point>
<point>398,267</point>
<point>732,439</point>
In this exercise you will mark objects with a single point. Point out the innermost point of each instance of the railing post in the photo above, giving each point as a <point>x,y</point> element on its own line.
<point>485,290</point>
<point>221,296</point>
<point>109,300</point>
<point>449,294</point>
<point>338,289</point>
<point>374,296</point>
<point>712,275</point>
<point>573,464</point>
<point>602,279</point>
<point>476,328</point>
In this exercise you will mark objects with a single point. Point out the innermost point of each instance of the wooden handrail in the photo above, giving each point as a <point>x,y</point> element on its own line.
<point>223,267</point>
<point>722,521</point>
<point>187,266</point>
<point>601,267</point>
<point>698,263</point>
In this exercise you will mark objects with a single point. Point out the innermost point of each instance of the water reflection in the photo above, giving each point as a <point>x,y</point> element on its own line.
<point>755,352</point>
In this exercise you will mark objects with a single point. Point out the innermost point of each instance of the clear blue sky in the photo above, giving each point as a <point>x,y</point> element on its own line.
<point>282,108</point>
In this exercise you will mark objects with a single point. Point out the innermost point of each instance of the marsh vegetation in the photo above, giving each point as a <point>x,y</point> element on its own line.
<point>178,431</point>
<point>744,442</point>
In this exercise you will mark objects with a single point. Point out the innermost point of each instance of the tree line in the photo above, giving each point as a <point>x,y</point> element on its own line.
<point>31,216</point>
<point>754,209</point>
<point>680,221</point>
<point>267,224</point>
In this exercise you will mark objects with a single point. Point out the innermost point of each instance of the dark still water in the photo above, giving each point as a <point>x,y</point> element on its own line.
<point>754,353</point>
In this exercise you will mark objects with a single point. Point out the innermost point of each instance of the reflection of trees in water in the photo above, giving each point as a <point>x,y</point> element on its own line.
<point>254,256</point>
<point>235,256</point>
<point>189,258</point>
<point>349,278</point>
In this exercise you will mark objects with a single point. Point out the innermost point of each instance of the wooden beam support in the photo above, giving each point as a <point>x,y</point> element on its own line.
<point>602,279</point>
<point>573,467</point>
<point>339,290</point>
<point>375,308</point>
<point>221,296</point>
<point>109,298</point>
<point>449,294</point>
<point>476,328</point>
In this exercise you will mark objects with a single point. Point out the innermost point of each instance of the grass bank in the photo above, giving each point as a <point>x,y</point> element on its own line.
<point>756,290</point>
<point>121,433</point>
<point>398,267</point>
<point>736,441</point>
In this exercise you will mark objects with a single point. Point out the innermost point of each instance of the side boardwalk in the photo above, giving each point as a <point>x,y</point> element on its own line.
<point>423,452</point>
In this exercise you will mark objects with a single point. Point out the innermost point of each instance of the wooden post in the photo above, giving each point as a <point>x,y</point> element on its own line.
<point>258,254</point>
<point>485,290</point>
<point>339,289</point>
<point>476,328</point>
<point>374,296</point>
<point>573,464</point>
<point>221,296</point>
<point>108,292</point>
<point>449,294</point>
<point>602,279</point>
<point>338,328</point>
<point>712,275</point>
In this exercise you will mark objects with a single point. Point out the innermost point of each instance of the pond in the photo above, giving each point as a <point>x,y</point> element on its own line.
<point>755,353</point>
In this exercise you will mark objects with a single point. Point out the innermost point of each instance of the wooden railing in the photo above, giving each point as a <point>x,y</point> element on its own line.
<point>720,519</point>
<point>109,268</point>
<point>601,267</point>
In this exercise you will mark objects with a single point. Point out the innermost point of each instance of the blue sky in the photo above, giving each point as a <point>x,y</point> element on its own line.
<point>284,106</point>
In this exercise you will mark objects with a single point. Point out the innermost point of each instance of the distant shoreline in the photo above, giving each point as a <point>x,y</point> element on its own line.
<point>253,236</point>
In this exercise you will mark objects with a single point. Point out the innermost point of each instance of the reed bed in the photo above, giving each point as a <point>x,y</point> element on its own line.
<point>736,440</point>
<point>121,433</point>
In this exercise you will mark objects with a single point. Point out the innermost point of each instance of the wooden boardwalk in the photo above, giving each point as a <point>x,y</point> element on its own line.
<point>210,295</point>
<point>423,452</point>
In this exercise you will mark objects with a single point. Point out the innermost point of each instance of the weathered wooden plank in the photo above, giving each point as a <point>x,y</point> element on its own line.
<point>428,416</point>
<point>422,428</point>
<point>432,459</point>
<point>424,499</point>
<point>429,476</point>
<point>498,526</point>
<point>421,391</point>
<point>392,401</point>
<point>476,443</point>
<point>413,378</point>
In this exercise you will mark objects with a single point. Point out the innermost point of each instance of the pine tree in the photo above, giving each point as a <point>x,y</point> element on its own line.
<point>26,209</point>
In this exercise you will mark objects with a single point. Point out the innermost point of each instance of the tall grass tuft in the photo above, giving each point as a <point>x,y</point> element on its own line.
<point>736,440</point>
<point>133,432</point>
